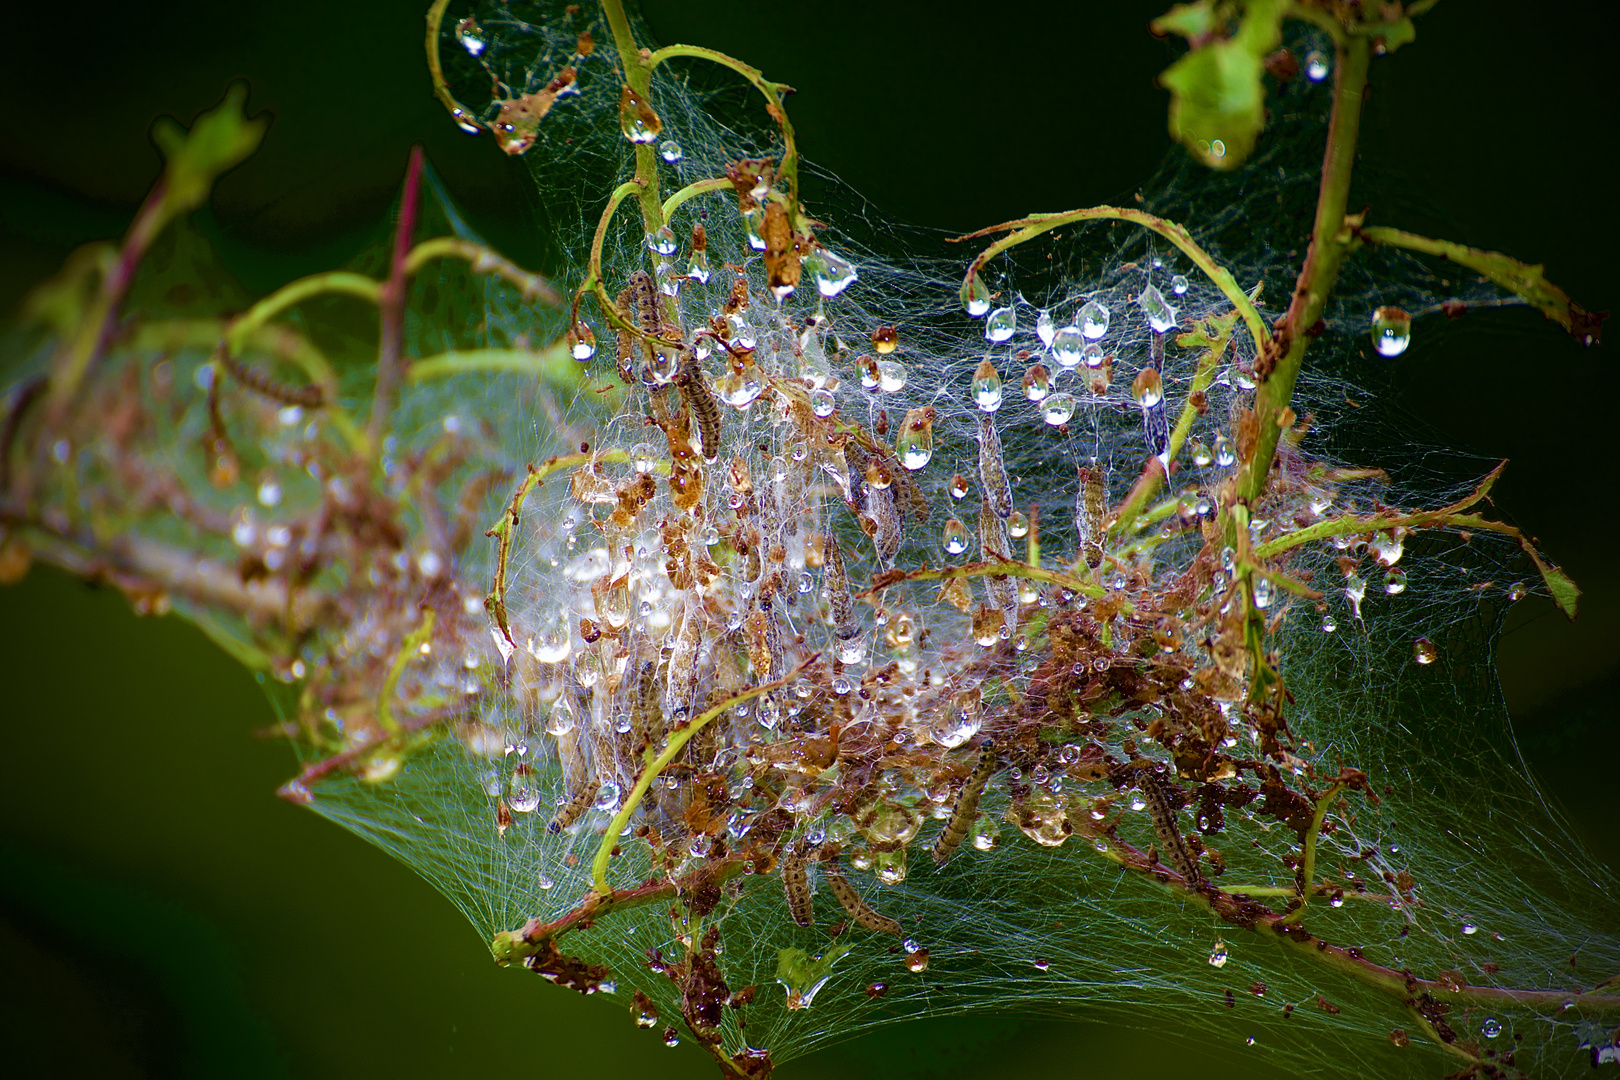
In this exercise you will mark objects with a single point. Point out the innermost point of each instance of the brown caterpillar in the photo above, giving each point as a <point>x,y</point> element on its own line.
<point>856,907</point>
<point>646,721</point>
<point>575,807</point>
<point>843,608</point>
<point>700,399</point>
<point>796,884</point>
<point>1156,790</point>
<point>885,522</point>
<point>993,470</point>
<point>967,805</point>
<point>1088,517</point>
<point>310,397</point>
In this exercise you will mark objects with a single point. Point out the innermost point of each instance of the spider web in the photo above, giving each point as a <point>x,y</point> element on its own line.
<point>1500,894</point>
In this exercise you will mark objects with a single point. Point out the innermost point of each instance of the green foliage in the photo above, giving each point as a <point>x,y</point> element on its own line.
<point>1217,92</point>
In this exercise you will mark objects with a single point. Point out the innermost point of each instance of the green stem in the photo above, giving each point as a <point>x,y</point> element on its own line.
<point>335,282</point>
<point>411,648</point>
<point>692,191</point>
<point>1008,568</point>
<point>677,740</point>
<point>483,261</point>
<point>1308,864</point>
<point>1036,224</point>
<point>441,89</point>
<point>1281,359</point>
<point>554,363</point>
<point>638,75</point>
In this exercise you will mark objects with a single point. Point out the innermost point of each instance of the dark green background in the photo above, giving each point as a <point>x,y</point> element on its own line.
<point>162,914</point>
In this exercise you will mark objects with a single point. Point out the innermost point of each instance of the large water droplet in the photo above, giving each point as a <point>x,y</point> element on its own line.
<point>986,387</point>
<point>891,376</point>
<point>1057,409</point>
<point>1391,331</point>
<point>917,961</point>
<point>915,445</point>
<point>525,798</point>
<point>833,273</point>
<point>1224,457</point>
<point>1037,383</point>
<point>636,119</point>
<point>955,537</point>
<point>1329,623</point>
<point>1316,66</point>
<point>1092,320</point>
<point>1147,389</point>
<point>1068,346</point>
<point>1178,285</point>
<point>1001,324</point>
<point>663,241</point>
<point>582,342</point>
<point>753,227</point>
<point>1017,525</point>
<point>975,297</point>
<point>1160,315</point>
<point>1395,581</point>
<point>1491,1027</point>
<point>822,403</point>
<point>1044,328</point>
<point>670,151</point>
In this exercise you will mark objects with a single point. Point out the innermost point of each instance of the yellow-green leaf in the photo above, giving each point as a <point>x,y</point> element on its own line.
<point>1217,97</point>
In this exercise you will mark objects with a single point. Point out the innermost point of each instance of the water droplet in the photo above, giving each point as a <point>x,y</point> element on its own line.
<point>1068,346</point>
<point>1037,383</point>
<point>1391,331</point>
<point>891,376</point>
<point>852,651</point>
<point>1092,320</point>
<point>560,721</point>
<point>269,493</point>
<point>956,537</point>
<point>885,339</point>
<point>525,799</point>
<point>1224,457</point>
<point>985,835</point>
<point>1200,454</point>
<point>986,387</point>
<point>1057,409</point>
<point>471,36</point>
<point>975,297</point>
<point>841,685</point>
<point>739,389</point>
<point>1018,525</point>
<point>1316,66</point>
<point>1355,590</point>
<point>959,486</point>
<point>1329,624</point>
<point>1262,592</point>
<point>662,241</point>
<point>1469,928</point>
<point>1395,582</point>
<point>1147,388</point>
<point>608,798</point>
<point>1001,324</point>
<point>1517,591</point>
<point>822,403</point>
<point>833,273</point>
<point>636,119</point>
<point>1336,900</point>
<point>1040,963</point>
<point>1424,651</point>
<point>672,1037</point>
<point>753,224</point>
<point>1217,955</point>
<point>1160,315</point>
<point>1092,357</point>
<point>1178,285</point>
<point>1491,1027</point>
<point>917,961</point>
<point>670,151</point>
<point>915,443</point>
<point>698,268</point>
<point>1387,548</point>
<point>1044,328</point>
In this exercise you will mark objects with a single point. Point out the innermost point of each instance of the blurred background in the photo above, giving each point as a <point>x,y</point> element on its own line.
<point>163,914</point>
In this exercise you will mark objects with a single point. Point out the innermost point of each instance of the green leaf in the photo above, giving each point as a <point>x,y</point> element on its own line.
<point>219,140</point>
<point>1195,22</point>
<point>1564,592</point>
<point>1217,97</point>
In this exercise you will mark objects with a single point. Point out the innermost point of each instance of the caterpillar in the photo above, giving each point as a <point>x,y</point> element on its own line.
<point>993,470</point>
<point>571,811</point>
<point>855,906</point>
<point>310,397</point>
<point>1088,516</point>
<point>796,884</point>
<point>700,399</point>
<point>1160,807</point>
<point>967,805</point>
<point>843,608</point>
<point>885,522</point>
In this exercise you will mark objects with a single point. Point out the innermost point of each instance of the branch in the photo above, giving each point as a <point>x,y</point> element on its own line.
<point>483,261</point>
<point>1008,568</point>
<point>441,89</point>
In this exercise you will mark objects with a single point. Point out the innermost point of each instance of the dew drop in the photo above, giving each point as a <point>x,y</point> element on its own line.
<point>1037,383</point>
<point>1424,651</point>
<point>841,685</point>
<point>986,387</point>
<point>959,486</point>
<point>1224,457</point>
<point>1018,525</point>
<point>891,376</point>
<point>1057,409</point>
<point>1200,454</point>
<point>525,799</point>
<point>1092,320</point>
<point>1001,324</point>
<point>1044,328</point>
<point>1517,591</point>
<point>662,241</point>
<point>636,119</point>
<point>885,339</point>
<point>1217,956</point>
<point>269,493</point>
<point>670,151</point>
<point>956,538</point>
<point>1469,928</point>
<point>917,960</point>
<point>1395,581</point>
<point>975,297</point>
<point>1491,1027</point>
<point>822,403</point>
<point>1391,331</point>
<point>1040,963</point>
<point>672,1037</point>
<point>1178,285</point>
<point>608,797</point>
<point>833,273</point>
<point>1329,624</point>
<point>1316,66</point>
<point>1160,315</point>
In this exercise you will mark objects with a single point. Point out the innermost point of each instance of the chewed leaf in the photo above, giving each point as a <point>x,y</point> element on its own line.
<point>1564,592</point>
<point>1217,98</point>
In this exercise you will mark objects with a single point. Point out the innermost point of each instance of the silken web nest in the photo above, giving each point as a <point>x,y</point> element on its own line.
<point>784,622</point>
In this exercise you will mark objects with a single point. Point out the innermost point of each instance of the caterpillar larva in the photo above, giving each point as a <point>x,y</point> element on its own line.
<point>853,904</point>
<point>1088,516</point>
<point>843,608</point>
<point>579,802</point>
<point>993,470</point>
<point>885,522</point>
<point>646,720</point>
<point>967,805</point>
<point>796,884</point>
<point>700,399</point>
<point>1156,790</point>
<point>310,397</point>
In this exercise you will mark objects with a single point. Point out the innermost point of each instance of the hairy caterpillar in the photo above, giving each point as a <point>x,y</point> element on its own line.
<point>967,805</point>
<point>571,811</point>
<point>796,884</point>
<point>843,608</point>
<point>700,399</point>
<point>993,470</point>
<point>855,906</point>
<point>1157,792</point>
<point>1088,516</point>
<point>310,397</point>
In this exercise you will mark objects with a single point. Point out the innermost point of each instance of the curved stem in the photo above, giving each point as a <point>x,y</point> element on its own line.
<point>483,261</point>
<point>1307,867</point>
<point>638,74</point>
<point>411,647</point>
<point>334,282</point>
<point>692,191</point>
<point>1036,224</point>
<point>677,740</point>
<point>441,89</point>
<point>553,363</point>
